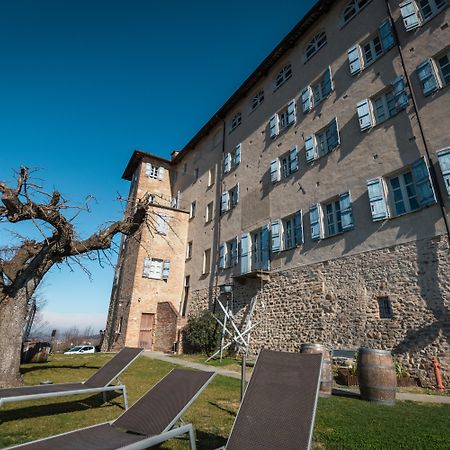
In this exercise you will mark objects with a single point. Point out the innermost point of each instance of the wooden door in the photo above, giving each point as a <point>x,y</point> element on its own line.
<point>146,331</point>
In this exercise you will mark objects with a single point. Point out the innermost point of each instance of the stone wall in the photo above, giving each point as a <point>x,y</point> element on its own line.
<point>166,327</point>
<point>336,303</point>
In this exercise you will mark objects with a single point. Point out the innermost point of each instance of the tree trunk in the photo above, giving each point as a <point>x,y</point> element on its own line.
<point>12,318</point>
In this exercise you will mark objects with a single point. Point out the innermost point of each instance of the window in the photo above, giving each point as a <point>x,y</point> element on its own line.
<point>256,100</point>
<point>224,202</point>
<point>283,119</point>
<point>209,212</point>
<point>196,174</point>
<point>156,268</point>
<point>211,176</point>
<point>352,9</point>
<point>284,166</point>
<point>287,233</point>
<point>316,43</point>
<point>322,142</point>
<point>232,159</point>
<point>434,73</point>
<point>318,91</point>
<point>236,121</point>
<point>162,224</point>
<point>192,210</point>
<point>259,249</point>
<point>444,163</point>
<point>189,250</point>
<point>153,171</point>
<point>383,106</point>
<point>234,196</point>
<point>444,68</point>
<point>401,193</point>
<point>283,75</point>
<point>206,261</point>
<point>385,308</point>
<point>228,254</point>
<point>187,282</point>
<point>333,220</point>
<point>416,13</point>
<point>229,199</point>
<point>362,55</point>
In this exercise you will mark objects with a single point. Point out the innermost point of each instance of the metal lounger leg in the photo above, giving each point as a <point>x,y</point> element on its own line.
<point>192,438</point>
<point>125,397</point>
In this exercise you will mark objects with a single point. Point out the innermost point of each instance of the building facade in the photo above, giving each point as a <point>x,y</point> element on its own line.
<point>320,191</point>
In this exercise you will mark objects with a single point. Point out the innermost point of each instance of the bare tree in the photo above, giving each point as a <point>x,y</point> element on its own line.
<point>23,268</point>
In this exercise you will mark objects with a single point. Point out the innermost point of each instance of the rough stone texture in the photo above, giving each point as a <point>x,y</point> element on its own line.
<point>336,303</point>
<point>166,327</point>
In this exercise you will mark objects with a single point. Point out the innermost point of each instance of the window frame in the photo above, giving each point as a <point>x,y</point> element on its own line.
<point>385,309</point>
<point>209,212</point>
<point>189,247</point>
<point>442,81</point>
<point>315,45</point>
<point>434,9</point>
<point>358,9</point>
<point>236,121</point>
<point>403,189</point>
<point>192,209</point>
<point>336,217</point>
<point>283,75</point>
<point>154,262</point>
<point>257,100</point>
<point>206,269</point>
<point>385,100</point>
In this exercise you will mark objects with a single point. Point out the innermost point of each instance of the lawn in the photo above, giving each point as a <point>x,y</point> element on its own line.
<point>341,423</point>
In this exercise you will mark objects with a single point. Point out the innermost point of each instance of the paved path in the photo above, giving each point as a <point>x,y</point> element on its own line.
<point>344,392</point>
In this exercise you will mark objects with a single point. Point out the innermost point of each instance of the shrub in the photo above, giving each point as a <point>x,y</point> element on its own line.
<point>201,334</point>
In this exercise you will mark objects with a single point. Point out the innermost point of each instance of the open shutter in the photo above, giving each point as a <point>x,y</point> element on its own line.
<point>327,81</point>
<point>147,264</point>
<point>314,219</point>
<point>236,195</point>
<point>298,228</point>
<point>224,202</point>
<point>310,148</point>
<point>364,115</point>
<point>273,126</point>
<point>345,204</point>
<point>292,112</point>
<point>148,169</point>
<point>293,159</point>
<point>354,59</point>
<point>276,235</point>
<point>411,15</point>
<point>378,205</point>
<point>386,34</point>
<point>237,155</point>
<point>234,252</point>
<point>227,163</point>
<point>424,185</point>
<point>245,239</point>
<point>399,89</point>
<point>160,173</point>
<point>166,269</point>
<point>307,99</point>
<point>332,134</point>
<point>222,251</point>
<point>444,162</point>
<point>275,170</point>
<point>265,235</point>
<point>427,76</point>
<point>162,224</point>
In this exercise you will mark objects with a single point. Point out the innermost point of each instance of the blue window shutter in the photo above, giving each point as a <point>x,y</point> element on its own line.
<point>378,205</point>
<point>424,185</point>
<point>234,252</point>
<point>386,34</point>
<point>444,162</point>
<point>273,125</point>
<point>364,115</point>
<point>227,163</point>
<point>245,239</point>
<point>146,270</point>
<point>333,136</point>
<point>236,195</point>
<point>411,15</point>
<point>237,155</point>
<point>275,170</point>
<point>345,203</point>
<point>427,76</point>
<point>276,235</point>
<point>354,59</point>
<point>314,219</point>
<point>166,269</point>
<point>148,169</point>
<point>265,235</point>
<point>292,113</point>
<point>293,159</point>
<point>399,89</point>
<point>224,202</point>
<point>160,173</point>
<point>328,81</point>
<point>298,228</point>
<point>310,148</point>
<point>307,99</point>
<point>222,250</point>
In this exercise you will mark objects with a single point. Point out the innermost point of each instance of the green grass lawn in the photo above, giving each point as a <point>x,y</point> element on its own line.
<point>341,423</point>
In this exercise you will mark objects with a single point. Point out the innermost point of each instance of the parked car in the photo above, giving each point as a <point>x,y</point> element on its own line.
<point>80,349</point>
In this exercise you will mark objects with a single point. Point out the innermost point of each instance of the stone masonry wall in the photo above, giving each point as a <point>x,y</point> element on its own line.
<point>166,327</point>
<point>336,303</point>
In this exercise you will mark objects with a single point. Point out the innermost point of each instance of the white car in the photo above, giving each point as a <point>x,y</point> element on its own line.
<point>80,349</point>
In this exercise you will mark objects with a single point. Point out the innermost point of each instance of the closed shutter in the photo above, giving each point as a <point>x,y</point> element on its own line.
<point>237,155</point>
<point>354,59</point>
<point>148,169</point>
<point>227,163</point>
<point>292,113</point>
<point>166,269</point>
<point>265,235</point>
<point>245,239</point>
<point>364,115</point>
<point>298,228</point>
<point>314,219</point>
<point>160,173</point>
<point>427,76</point>
<point>273,126</point>
<point>276,235</point>
<point>345,204</point>
<point>162,224</point>
<point>399,89</point>
<point>275,171</point>
<point>377,199</point>
<point>224,202</point>
<point>147,266</point>
<point>310,148</point>
<point>222,251</point>
<point>444,162</point>
<point>327,82</point>
<point>307,99</point>
<point>293,159</point>
<point>410,14</point>
<point>386,34</point>
<point>424,185</point>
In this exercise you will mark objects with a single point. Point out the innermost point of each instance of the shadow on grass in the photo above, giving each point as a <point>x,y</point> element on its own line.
<point>52,409</point>
<point>228,411</point>
<point>24,370</point>
<point>207,441</point>
<point>345,393</point>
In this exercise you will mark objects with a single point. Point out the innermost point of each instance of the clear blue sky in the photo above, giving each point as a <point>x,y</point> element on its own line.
<point>84,83</point>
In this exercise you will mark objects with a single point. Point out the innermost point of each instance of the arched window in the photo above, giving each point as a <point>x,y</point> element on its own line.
<point>283,75</point>
<point>257,100</point>
<point>236,121</point>
<point>352,9</point>
<point>316,43</point>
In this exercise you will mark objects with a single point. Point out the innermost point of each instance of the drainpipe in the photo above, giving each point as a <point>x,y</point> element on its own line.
<point>433,175</point>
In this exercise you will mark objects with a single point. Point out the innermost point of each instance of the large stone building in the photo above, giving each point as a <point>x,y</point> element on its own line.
<point>320,190</point>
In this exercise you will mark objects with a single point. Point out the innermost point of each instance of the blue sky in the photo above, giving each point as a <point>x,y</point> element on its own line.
<point>84,83</point>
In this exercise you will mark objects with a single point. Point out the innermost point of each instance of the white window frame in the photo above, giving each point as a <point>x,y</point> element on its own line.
<point>152,171</point>
<point>331,214</point>
<point>206,262</point>
<point>315,44</point>
<point>156,268</point>
<point>192,209</point>
<point>385,97</point>
<point>288,222</point>
<point>442,80</point>
<point>323,146</point>
<point>282,76</point>
<point>211,176</point>
<point>233,197</point>
<point>435,10</point>
<point>406,199</point>
<point>371,43</point>
<point>209,212</point>
<point>257,100</point>
<point>189,250</point>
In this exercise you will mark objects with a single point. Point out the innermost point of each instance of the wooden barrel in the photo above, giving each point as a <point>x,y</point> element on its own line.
<point>326,376</point>
<point>376,376</point>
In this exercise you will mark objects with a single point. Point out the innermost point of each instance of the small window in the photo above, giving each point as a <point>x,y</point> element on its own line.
<point>152,171</point>
<point>316,43</point>
<point>257,100</point>
<point>283,119</point>
<point>206,261</point>
<point>283,75</point>
<point>385,308</point>
<point>403,194</point>
<point>192,210</point>
<point>371,50</point>
<point>430,8</point>
<point>384,107</point>
<point>333,220</point>
<point>234,196</point>
<point>209,212</point>
<point>196,174</point>
<point>232,253</point>
<point>323,87</point>
<point>189,250</point>
<point>352,9</point>
<point>322,142</point>
<point>292,231</point>
<point>443,63</point>
<point>211,176</point>
<point>236,121</point>
<point>152,268</point>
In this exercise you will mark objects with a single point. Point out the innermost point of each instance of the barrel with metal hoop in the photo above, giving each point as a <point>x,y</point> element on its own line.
<point>326,377</point>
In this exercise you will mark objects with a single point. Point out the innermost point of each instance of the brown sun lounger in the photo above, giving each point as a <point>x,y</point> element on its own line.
<point>150,421</point>
<point>279,404</point>
<point>99,382</point>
